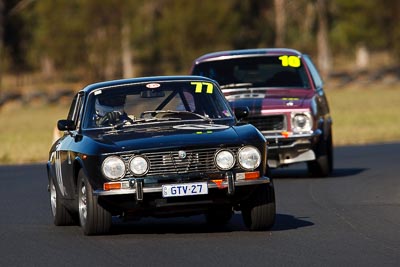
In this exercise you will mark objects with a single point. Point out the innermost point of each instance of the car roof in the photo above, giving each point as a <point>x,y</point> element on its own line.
<point>246,53</point>
<point>121,82</point>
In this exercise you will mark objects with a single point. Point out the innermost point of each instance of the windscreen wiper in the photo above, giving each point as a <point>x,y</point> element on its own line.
<point>131,122</point>
<point>154,113</point>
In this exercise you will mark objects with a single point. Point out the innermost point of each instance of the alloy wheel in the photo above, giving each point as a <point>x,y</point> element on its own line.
<point>83,204</point>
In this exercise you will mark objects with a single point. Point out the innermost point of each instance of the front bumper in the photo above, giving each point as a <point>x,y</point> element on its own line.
<point>139,199</point>
<point>137,187</point>
<point>289,149</point>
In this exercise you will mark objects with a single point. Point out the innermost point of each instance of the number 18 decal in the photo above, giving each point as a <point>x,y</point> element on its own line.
<point>291,61</point>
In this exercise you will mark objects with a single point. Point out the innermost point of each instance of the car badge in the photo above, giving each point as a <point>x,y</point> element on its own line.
<point>182,154</point>
<point>289,104</point>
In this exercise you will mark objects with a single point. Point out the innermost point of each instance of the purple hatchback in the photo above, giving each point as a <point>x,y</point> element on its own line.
<point>287,102</point>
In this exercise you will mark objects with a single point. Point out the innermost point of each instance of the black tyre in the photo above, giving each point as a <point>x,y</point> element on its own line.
<point>219,216</point>
<point>61,216</point>
<point>259,210</point>
<point>322,166</point>
<point>93,218</point>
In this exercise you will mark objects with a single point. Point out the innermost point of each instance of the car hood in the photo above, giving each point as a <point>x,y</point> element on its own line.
<point>257,99</point>
<point>186,135</point>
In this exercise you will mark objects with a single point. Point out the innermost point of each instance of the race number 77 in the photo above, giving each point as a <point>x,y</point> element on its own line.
<point>199,87</point>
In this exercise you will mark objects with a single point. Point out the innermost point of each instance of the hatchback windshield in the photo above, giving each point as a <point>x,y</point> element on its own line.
<point>134,104</point>
<point>258,71</point>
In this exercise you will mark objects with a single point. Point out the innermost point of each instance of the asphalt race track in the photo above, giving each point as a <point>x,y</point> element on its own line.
<point>349,219</point>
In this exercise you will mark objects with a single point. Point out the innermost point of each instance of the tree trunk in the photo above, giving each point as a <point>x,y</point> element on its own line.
<point>280,22</point>
<point>47,67</point>
<point>324,57</point>
<point>1,41</point>
<point>362,57</point>
<point>126,54</point>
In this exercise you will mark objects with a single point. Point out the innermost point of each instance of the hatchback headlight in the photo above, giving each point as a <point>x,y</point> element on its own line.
<point>113,168</point>
<point>301,122</point>
<point>139,165</point>
<point>249,157</point>
<point>224,159</point>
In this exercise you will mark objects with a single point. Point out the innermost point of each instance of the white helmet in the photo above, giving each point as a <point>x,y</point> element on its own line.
<point>104,104</point>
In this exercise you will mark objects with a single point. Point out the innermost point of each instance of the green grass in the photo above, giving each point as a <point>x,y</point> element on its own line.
<point>26,132</point>
<point>361,115</point>
<point>365,114</point>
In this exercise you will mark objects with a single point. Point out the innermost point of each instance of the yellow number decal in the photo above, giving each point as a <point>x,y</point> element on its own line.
<point>210,88</point>
<point>291,61</point>
<point>199,87</point>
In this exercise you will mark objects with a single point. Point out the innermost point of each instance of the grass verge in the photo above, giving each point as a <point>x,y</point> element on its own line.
<point>364,114</point>
<point>26,132</point>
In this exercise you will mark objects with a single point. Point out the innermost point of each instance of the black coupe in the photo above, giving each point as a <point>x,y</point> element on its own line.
<point>157,146</point>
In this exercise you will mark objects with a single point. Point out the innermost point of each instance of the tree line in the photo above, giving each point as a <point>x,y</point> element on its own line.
<point>96,40</point>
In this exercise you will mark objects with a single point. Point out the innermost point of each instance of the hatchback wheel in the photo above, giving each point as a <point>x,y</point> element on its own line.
<point>322,166</point>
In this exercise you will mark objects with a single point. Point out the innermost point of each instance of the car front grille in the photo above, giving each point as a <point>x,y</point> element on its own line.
<point>169,163</point>
<point>268,123</point>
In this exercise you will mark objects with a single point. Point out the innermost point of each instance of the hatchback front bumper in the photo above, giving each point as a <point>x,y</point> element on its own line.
<point>289,149</point>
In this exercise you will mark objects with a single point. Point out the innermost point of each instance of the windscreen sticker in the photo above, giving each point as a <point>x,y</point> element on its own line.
<point>290,98</point>
<point>290,61</point>
<point>199,87</point>
<point>153,85</point>
<point>206,132</point>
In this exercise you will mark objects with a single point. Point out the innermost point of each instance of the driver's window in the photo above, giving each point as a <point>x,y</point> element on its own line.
<point>72,108</point>
<point>75,109</point>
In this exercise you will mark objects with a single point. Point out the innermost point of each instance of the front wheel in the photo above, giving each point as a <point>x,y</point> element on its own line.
<point>61,216</point>
<point>93,218</point>
<point>258,211</point>
<point>322,166</point>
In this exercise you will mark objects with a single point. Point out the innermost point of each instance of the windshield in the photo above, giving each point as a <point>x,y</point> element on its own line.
<point>135,104</point>
<point>258,71</point>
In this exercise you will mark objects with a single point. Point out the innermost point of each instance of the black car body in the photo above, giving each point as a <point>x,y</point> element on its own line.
<point>157,146</point>
<point>287,102</point>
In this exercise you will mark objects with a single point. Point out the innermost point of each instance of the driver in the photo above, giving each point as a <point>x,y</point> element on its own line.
<point>110,109</point>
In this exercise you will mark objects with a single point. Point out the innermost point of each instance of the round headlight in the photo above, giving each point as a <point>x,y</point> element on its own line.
<point>139,165</point>
<point>249,157</point>
<point>113,168</point>
<point>301,123</point>
<point>224,159</point>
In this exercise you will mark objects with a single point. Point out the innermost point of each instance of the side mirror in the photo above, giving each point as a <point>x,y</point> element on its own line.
<point>66,125</point>
<point>242,112</point>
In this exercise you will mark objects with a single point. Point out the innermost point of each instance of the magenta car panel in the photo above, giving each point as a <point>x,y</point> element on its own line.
<point>285,95</point>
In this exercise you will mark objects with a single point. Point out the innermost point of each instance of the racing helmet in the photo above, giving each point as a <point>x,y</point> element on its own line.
<point>109,103</point>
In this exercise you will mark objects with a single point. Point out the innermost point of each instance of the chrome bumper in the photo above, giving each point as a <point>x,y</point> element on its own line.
<point>280,136</point>
<point>139,188</point>
<point>291,149</point>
